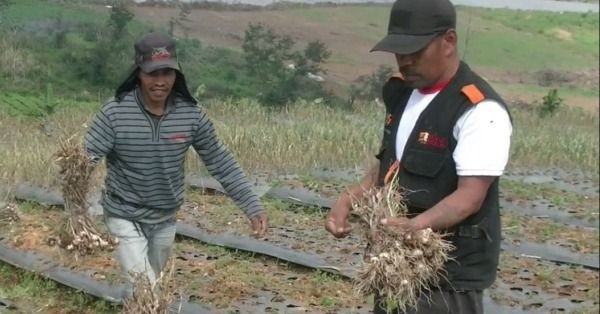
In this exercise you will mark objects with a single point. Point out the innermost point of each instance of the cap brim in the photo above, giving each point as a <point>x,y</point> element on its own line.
<point>403,44</point>
<point>159,65</point>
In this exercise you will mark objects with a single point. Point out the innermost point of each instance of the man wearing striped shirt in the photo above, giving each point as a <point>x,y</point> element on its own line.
<point>144,132</point>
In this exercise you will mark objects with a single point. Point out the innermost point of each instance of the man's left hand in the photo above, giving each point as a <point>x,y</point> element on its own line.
<point>259,224</point>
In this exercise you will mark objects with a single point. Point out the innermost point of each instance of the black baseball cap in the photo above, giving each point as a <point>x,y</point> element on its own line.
<point>155,51</point>
<point>414,23</point>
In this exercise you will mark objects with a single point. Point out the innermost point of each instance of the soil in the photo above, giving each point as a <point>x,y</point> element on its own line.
<point>263,284</point>
<point>544,287</point>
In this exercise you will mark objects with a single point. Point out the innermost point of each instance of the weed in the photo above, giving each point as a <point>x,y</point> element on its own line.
<point>30,207</point>
<point>550,105</point>
<point>545,276</point>
<point>329,302</point>
<point>320,277</point>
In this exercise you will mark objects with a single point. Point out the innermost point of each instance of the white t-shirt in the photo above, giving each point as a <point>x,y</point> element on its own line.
<point>482,133</point>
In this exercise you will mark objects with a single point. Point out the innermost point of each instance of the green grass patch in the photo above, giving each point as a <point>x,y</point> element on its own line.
<point>494,38</point>
<point>24,12</point>
<point>369,22</point>
<point>33,15</point>
<point>569,28</point>
<point>564,91</point>
<point>489,42</point>
<point>30,207</point>
<point>34,293</point>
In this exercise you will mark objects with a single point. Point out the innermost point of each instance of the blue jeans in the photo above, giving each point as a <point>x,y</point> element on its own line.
<point>143,248</point>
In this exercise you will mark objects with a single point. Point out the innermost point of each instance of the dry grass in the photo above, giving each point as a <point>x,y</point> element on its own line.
<point>567,140</point>
<point>212,282</point>
<point>297,139</point>
<point>152,297</point>
<point>399,265</point>
<point>14,61</point>
<point>302,137</point>
<point>27,145</point>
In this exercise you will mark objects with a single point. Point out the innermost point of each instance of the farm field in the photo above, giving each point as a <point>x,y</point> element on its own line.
<point>302,155</point>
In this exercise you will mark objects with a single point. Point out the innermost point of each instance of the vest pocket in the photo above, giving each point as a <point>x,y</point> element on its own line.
<point>424,177</point>
<point>424,163</point>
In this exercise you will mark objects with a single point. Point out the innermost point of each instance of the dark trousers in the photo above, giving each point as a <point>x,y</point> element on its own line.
<point>443,302</point>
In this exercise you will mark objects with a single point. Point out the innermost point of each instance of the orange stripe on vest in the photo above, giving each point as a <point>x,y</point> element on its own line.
<point>473,93</point>
<point>390,174</point>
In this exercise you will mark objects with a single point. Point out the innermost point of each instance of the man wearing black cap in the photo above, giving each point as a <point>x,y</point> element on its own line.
<point>447,137</point>
<point>145,132</point>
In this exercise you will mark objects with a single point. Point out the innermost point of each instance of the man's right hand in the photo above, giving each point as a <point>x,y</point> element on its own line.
<point>337,220</point>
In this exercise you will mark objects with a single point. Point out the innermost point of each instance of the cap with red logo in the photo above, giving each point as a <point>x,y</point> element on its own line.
<point>156,51</point>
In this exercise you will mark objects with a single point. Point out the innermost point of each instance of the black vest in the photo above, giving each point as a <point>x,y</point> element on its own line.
<point>428,172</point>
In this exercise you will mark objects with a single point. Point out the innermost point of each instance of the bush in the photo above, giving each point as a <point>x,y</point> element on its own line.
<point>368,87</point>
<point>75,56</point>
<point>551,103</point>
<point>282,71</point>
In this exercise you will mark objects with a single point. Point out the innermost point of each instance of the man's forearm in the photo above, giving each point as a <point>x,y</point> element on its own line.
<point>443,215</point>
<point>456,207</point>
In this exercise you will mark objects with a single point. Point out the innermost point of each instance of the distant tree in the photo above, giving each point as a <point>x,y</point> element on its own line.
<point>315,54</point>
<point>368,87</point>
<point>265,51</point>
<point>281,70</point>
<point>120,16</point>
<point>103,63</point>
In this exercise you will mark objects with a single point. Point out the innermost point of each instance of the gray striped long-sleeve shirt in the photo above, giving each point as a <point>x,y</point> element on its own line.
<point>145,158</point>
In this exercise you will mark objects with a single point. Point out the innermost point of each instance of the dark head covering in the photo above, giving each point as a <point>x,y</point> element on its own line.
<point>155,51</point>
<point>414,23</point>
